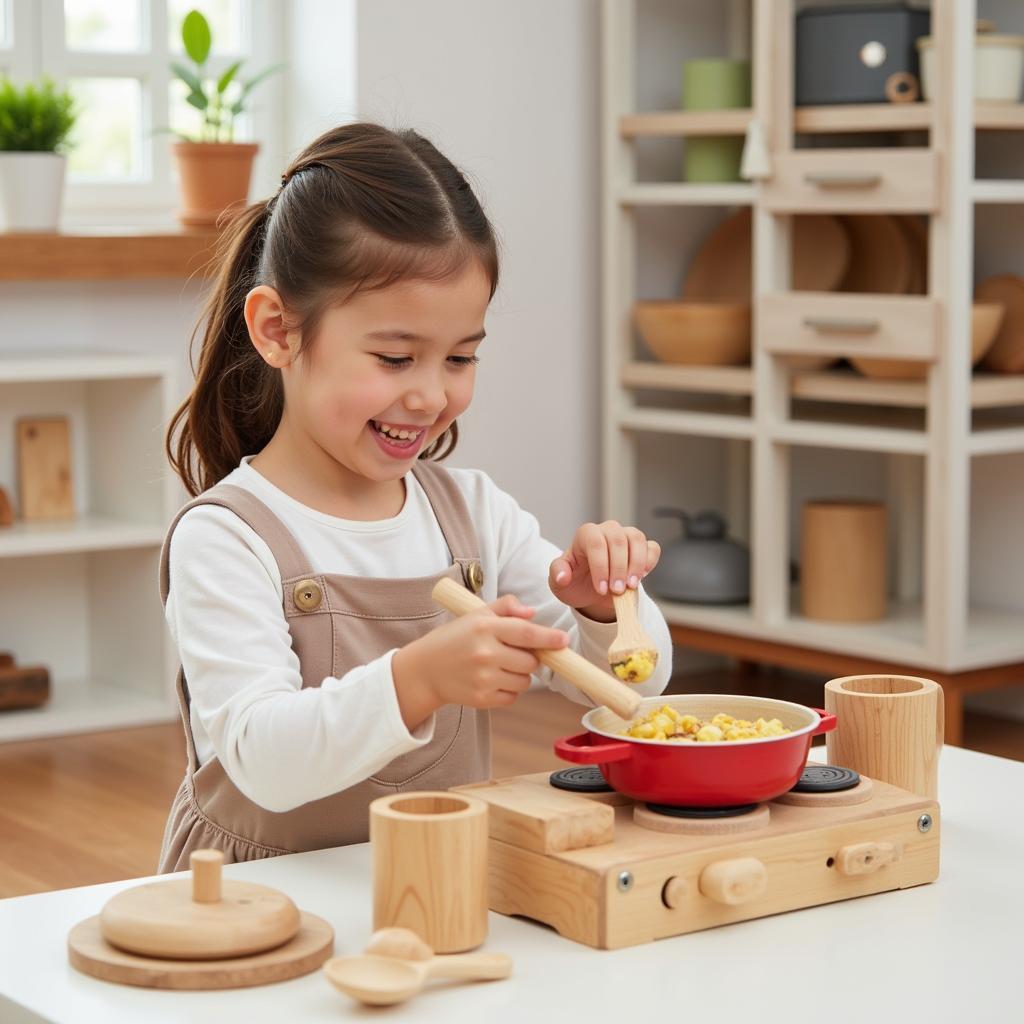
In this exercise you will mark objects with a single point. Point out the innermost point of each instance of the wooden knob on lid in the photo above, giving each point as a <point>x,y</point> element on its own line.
<point>206,866</point>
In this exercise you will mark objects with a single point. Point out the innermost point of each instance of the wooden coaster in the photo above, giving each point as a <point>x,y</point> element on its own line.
<point>859,794</point>
<point>91,954</point>
<point>750,822</point>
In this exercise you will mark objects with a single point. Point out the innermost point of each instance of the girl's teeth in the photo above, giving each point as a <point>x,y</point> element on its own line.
<point>398,435</point>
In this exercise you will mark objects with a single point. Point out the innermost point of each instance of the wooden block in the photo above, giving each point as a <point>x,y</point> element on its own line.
<point>6,509</point>
<point>6,659</point>
<point>23,687</point>
<point>44,468</point>
<point>539,817</point>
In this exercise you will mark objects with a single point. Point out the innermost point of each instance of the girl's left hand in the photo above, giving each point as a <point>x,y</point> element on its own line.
<point>603,559</point>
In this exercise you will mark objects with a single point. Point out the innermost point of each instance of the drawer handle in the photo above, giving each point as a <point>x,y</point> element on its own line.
<point>841,324</point>
<point>839,179</point>
<point>734,882</point>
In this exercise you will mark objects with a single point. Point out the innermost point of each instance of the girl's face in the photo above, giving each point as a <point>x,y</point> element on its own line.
<point>388,372</point>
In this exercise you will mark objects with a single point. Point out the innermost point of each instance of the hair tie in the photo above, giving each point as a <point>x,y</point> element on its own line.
<point>284,179</point>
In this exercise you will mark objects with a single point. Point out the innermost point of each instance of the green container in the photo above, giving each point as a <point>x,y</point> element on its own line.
<point>714,84</point>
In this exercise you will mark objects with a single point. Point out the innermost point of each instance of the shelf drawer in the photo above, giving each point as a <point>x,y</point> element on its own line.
<point>824,323</point>
<point>853,181</point>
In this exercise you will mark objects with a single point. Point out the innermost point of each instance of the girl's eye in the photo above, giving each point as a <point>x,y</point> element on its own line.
<point>394,362</point>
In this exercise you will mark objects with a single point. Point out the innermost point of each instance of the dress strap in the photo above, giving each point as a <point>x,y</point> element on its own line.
<point>453,517</point>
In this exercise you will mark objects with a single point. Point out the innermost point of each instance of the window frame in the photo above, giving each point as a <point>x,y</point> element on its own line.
<point>39,48</point>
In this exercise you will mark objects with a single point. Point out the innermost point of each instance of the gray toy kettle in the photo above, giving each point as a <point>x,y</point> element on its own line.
<point>704,567</point>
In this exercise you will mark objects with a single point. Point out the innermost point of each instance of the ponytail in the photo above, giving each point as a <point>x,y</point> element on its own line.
<point>236,403</point>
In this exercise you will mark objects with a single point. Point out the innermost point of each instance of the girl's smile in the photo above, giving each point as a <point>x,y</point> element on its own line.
<point>398,441</point>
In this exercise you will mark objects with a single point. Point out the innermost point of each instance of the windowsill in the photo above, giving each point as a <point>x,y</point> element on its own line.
<point>106,253</point>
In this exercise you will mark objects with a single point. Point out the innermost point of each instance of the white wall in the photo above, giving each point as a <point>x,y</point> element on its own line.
<point>509,92</point>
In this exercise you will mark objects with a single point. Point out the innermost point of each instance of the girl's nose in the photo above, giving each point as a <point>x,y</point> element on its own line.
<point>427,396</point>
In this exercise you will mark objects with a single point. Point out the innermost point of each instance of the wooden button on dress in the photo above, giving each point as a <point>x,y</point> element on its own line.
<point>476,577</point>
<point>307,595</point>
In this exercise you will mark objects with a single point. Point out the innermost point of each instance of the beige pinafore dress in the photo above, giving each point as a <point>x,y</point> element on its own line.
<point>336,622</point>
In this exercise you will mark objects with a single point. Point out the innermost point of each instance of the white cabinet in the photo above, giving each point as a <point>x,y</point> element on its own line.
<point>81,597</point>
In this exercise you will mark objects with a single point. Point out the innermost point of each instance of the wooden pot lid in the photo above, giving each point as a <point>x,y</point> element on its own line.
<point>199,918</point>
<point>1007,352</point>
<point>880,255</point>
<point>723,267</point>
<point>91,954</point>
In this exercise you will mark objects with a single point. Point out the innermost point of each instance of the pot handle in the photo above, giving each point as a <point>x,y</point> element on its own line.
<point>827,723</point>
<point>580,750</point>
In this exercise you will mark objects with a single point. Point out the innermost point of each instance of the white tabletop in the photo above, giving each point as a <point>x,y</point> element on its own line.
<point>950,951</point>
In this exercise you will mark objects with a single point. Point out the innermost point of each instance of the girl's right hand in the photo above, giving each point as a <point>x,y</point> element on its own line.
<point>480,659</point>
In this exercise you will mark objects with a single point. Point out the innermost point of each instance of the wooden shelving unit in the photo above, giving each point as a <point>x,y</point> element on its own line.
<point>80,597</point>
<point>105,254</point>
<point>923,434</point>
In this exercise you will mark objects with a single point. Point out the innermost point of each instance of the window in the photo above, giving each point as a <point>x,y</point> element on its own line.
<point>115,58</point>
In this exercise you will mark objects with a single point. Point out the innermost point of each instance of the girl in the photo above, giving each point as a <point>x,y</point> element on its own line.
<point>340,347</point>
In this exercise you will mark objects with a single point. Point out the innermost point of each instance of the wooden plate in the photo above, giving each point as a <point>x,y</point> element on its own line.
<point>917,235</point>
<point>1007,352</point>
<point>721,271</point>
<point>880,260</point>
<point>91,954</point>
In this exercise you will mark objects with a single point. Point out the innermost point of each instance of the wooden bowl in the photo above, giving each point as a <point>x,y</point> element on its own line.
<point>986,318</point>
<point>696,333</point>
<point>1007,352</point>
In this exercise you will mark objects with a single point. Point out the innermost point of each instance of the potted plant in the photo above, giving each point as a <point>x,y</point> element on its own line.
<point>214,169</point>
<point>35,121</point>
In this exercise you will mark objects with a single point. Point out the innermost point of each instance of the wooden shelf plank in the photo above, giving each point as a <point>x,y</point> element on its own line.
<point>996,191</point>
<point>69,364</point>
<point>89,533</point>
<point>852,117</point>
<point>663,123</point>
<point>103,254</point>
<point>700,424</point>
<point>856,437</point>
<point>659,194</point>
<point>727,380</point>
<point>988,390</point>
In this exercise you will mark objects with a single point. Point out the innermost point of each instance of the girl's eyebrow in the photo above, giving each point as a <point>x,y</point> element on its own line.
<point>410,336</point>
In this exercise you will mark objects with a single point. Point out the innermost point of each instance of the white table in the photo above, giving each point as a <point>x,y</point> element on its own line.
<point>951,951</point>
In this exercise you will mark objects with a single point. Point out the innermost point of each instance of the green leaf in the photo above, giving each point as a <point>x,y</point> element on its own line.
<point>225,80</point>
<point>35,118</point>
<point>253,82</point>
<point>197,100</point>
<point>190,78</point>
<point>195,34</point>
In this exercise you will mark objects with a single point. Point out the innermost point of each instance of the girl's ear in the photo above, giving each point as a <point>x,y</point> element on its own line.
<point>265,318</point>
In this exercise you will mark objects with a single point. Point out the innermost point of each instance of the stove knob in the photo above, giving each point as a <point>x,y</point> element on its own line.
<point>673,892</point>
<point>865,858</point>
<point>734,881</point>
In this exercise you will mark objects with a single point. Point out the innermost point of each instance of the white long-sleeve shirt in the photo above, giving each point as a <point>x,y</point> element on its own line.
<point>283,745</point>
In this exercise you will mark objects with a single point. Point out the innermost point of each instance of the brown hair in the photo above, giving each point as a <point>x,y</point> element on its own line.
<point>361,208</point>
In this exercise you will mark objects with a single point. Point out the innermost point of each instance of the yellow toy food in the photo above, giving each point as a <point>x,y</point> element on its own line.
<point>665,723</point>
<point>637,668</point>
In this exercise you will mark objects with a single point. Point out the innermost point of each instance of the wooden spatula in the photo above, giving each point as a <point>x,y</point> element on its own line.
<point>594,682</point>
<point>632,654</point>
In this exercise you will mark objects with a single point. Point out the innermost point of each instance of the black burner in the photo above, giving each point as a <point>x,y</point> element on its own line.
<point>586,779</point>
<point>702,812</point>
<point>826,778</point>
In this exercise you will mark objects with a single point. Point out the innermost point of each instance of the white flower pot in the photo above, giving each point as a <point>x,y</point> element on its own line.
<point>998,67</point>
<point>31,191</point>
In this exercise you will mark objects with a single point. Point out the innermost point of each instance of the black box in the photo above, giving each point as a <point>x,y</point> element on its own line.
<point>846,54</point>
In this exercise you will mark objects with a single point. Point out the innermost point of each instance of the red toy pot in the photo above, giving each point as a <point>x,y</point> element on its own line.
<point>724,774</point>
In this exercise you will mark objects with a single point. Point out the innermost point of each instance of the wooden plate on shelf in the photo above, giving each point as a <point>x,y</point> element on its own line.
<point>880,255</point>
<point>1007,352</point>
<point>917,235</point>
<point>722,269</point>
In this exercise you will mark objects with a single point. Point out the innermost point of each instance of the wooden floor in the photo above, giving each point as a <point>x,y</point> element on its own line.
<point>84,809</point>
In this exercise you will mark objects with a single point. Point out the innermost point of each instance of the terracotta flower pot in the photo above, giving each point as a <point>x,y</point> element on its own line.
<point>214,176</point>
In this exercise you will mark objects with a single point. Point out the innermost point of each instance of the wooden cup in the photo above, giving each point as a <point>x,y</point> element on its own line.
<point>430,867</point>
<point>889,728</point>
<point>843,561</point>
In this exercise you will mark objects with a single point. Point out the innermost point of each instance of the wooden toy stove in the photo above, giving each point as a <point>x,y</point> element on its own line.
<point>567,850</point>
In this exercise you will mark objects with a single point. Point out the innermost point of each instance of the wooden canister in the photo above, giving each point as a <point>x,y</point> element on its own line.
<point>430,867</point>
<point>843,561</point>
<point>888,728</point>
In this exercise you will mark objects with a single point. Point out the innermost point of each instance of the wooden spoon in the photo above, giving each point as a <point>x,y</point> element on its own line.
<point>593,681</point>
<point>386,980</point>
<point>632,654</point>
